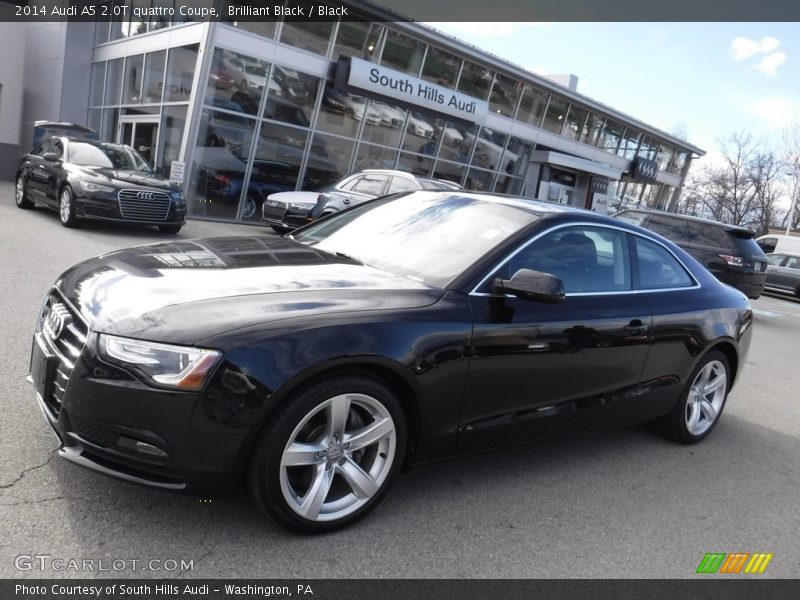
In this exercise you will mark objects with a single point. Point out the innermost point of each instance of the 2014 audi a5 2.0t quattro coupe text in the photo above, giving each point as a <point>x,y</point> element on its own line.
<point>313,367</point>
<point>84,179</point>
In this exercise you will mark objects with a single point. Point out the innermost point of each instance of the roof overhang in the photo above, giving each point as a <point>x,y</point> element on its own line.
<point>568,161</point>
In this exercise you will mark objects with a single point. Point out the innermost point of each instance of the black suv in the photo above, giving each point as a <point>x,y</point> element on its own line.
<point>85,179</point>
<point>728,251</point>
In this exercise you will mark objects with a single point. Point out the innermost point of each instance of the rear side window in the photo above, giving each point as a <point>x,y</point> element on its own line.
<point>768,244</point>
<point>793,262</point>
<point>775,259</point>
<point>674,230</point>
<point>401,184</point>
<point>706,234</point>
<point>657,268</point>
<point>370,184</point>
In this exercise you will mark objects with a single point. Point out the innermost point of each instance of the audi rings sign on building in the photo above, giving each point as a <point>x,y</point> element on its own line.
<point>645,170</point>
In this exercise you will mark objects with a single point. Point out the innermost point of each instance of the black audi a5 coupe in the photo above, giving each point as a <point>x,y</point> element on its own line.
<point>84,179</point>
<point>409,328</point>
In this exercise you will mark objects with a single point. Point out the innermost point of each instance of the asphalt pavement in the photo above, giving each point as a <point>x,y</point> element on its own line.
<point>623,503</point>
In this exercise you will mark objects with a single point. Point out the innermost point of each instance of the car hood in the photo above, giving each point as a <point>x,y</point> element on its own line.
<point>298,197</point>
<point>122,178</point>
<point>183,292</point>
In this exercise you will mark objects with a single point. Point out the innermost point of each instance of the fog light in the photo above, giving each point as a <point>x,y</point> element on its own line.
<point>138,446</point>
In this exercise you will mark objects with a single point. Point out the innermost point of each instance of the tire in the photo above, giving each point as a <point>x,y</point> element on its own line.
<point>249,208</point>
<point>19,193</point>
<point>170,228</point>
<point>701,402</point>
<point>335,481</point>
<point>66,207</point>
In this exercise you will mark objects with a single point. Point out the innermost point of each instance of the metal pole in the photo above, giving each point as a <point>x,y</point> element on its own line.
<point>790,218</point>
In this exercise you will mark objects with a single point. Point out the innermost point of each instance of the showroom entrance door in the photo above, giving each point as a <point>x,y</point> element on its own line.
<point>141,133</point>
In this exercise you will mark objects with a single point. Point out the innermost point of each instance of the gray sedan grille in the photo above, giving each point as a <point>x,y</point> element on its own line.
<point>144,205</point>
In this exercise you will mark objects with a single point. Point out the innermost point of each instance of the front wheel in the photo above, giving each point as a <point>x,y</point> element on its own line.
<point>20,195</point>
<point>66,208</point>
<point>329,455</point>
<point>702,400</point>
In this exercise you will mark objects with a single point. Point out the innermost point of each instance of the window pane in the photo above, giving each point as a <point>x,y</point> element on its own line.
<point>389,128</point>
<point>504,96</point>
<point>132,88</point>
<point>328,161</point>
<point>591,129</point>
<point>153,84</point>
<point>96,85</point>
<point>416,164</point>
<point>585,258</point>
<point>236,82</point>
<point>120,25</point>
<point>138,24</point>
<point>94,119</point>
<point>420,136</point>
<point>161,21</point>
<point>170,136</point>
<point>357,38</point>
<point>658,269</point>
<point>180,72</point>
<point>515,162</point>
<point>679,163</point>
<point>403,53</point>
<point>102,27</point>
<point>374,157</point>
<point>648,148</point>
<point>458,140</point>
<point>629,144</point>
<point>313,36</point>
<point>450,171</point>
<point>475,80</point>
<point>479,180</point>
<point>441,67</point>
<point>489,149</point>
<point>219,164</point>
<point>554,117</point>
<point>291,96</point>
<point>664,156</point>
<point>113,82</point>
<point>612,134</point>
<point>335,113</point>
<point>575,122</point>
<point>532,105</point>
<point>108,129</point>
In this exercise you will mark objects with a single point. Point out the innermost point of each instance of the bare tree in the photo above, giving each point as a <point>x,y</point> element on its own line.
<point>791,158</point>
<point>743,189</point>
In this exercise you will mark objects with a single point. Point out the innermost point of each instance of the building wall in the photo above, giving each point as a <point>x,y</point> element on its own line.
<point>11,92</point>
<point>57,64</point>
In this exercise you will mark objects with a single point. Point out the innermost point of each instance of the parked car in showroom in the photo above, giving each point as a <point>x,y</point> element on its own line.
<point>285,211</point>
<point>86,179</point>
<point>729,252</point>
<point>410,328</point>
<point>783,274</point>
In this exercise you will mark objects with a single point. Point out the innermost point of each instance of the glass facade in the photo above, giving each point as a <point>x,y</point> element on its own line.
<point>261,127</point>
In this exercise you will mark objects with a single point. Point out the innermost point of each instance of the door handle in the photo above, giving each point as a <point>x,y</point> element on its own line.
<point>635,327</point>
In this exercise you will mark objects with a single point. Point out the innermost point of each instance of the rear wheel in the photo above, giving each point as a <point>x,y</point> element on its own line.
<point>329,455</point>
<point>702,400</point>
<point>170,228</point>
<point>66,208</point>
<point>20,195</point>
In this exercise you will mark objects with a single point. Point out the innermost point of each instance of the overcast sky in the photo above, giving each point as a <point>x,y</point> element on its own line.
<point>708,78</point>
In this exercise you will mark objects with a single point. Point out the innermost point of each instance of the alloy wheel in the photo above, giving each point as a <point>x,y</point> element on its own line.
<point>338,457</point>
<point>20,192</point>
<point>706,397</point>
<point>65,206</point>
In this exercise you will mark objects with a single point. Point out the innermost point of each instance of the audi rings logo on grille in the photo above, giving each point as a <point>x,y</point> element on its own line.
<point>145,195</point>
<point>56,320</point>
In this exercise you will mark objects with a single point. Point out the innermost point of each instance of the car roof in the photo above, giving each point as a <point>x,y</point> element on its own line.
<point>652,211</point>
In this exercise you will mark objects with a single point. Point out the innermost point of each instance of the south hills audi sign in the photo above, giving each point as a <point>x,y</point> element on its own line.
<point>399,87</point>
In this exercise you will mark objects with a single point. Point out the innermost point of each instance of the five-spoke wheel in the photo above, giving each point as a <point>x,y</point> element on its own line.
<point>329,454</point>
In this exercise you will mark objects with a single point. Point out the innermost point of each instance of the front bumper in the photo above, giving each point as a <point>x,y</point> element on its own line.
<point>118,426</point>
<point>106,207</point>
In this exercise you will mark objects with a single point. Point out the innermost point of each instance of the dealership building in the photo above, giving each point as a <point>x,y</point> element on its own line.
<point>237,110</point>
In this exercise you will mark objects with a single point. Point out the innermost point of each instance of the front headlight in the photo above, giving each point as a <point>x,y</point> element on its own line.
<point>182,367</point>
<point>301,205</point>
<point>90,186</point>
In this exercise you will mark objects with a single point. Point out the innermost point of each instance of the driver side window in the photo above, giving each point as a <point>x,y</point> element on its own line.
<point>586,259</point>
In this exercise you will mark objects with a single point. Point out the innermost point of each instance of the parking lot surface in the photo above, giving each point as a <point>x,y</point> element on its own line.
<point>624,503</point>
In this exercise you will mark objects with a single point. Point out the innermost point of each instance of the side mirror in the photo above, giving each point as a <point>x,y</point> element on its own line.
<point>51,157</point>
<point>159,171</point>
<point>532,285</point>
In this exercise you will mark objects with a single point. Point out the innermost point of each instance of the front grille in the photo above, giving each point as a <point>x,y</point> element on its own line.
<point>65,334</point>
<point>272,210</point>
<point>93,433</point>
<point>142,205</point>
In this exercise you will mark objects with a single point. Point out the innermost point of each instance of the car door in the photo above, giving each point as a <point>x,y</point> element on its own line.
<point>540,369</point>
<point>49,173</point>
<point>782,272</point>
<point>36,173</point>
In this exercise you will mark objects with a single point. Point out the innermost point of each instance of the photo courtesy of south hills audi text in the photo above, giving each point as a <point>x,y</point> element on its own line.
<point>77,591</point>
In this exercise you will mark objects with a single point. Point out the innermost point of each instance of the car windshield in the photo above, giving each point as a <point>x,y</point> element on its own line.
<point>107,155</point>
<point>428,236</point>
